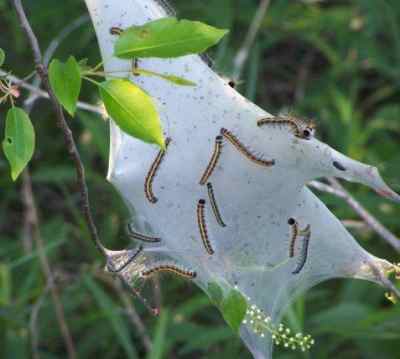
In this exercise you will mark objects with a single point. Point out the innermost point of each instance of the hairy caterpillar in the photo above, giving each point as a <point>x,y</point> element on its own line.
<point>244,151</point>
<point>169,268</point>
<point>214,206</point>
<point>213,161</point>
<point>295,231</point>
<point>148,184</point>
<point>306,234</point>
<point>141,237</point>
<point>202,227</point>
<point>300,128</point>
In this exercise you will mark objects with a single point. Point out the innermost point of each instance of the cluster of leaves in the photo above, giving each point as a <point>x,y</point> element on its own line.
<point>355,100</point>
<point>133,110</point>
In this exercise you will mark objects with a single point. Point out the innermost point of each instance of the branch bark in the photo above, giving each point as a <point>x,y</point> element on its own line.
<point>338,190</point>
<point>61,123</point>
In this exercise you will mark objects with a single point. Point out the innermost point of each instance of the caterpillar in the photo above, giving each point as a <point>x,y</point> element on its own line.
<point>148,184</point>
<point>116,30</point>
<point>306,234</point>
<point>169,268</point>
<point>213,161</point>
<point>214,206</point>
<point>243,150</point>
<point>300,128</point>
<point>141,237</point>
<point>339,166</point>
<point>124,265</point>
<point>295,231</point>
<point>202,227</point>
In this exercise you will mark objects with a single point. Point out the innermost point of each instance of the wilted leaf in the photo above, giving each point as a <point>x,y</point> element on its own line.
<point>133,110</point>
<point>166,38</point>
<point>66,81</point>
<point>19,140</point>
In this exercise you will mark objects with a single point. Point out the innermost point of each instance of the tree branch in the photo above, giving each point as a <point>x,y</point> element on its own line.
<point>338,190</point>
<point>62,124</point>
<point>36,90</point>
<point>30,208</point>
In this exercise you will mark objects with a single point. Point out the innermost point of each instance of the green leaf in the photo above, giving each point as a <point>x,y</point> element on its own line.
<point>133,110</point>
<point>166,38</point>
<point>233,308</point>
<point>2,56</point>
<point>215,293</point>
<point>171,78</point>
<point>160,338</point>
<point>66,81</point>
<point>111,312</point>
<point>19,140</point>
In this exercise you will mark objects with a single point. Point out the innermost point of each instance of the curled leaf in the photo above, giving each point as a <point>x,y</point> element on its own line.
<point>177,80</point>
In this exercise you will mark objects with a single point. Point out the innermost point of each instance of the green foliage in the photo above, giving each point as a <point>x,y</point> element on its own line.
<point>66,81</point>
<point>115,321</point>
<point>165,38</point>
<point>133,110</point>
<point>233,308</point>
<point>19,140</point>
<point>2,57</point>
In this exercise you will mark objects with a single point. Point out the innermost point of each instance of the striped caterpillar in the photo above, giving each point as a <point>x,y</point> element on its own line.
<point>141,237</point>
<point>214,206</point>
<point>213,161</point>
<point>148,184</point>
<point>300,128</point>
<point>306,234</point>
<point>202,227</point>
<point>169,268</point>
<point>295,231</point>
<point>243,150</point>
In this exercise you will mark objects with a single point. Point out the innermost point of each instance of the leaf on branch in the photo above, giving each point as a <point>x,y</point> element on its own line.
<point>66,81</point>
<point>233,308</point>
<point>167,37</point>
<point>2,57</point>
<point>133,110</point>
<point>170,78</point>
<point>19,140</point>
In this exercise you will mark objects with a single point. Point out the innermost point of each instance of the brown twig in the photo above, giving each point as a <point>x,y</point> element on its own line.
<point>338,190</point>
<point>61,123</point>
<point>130,309</point>
<point>30,208</point>
<point>40,93</point>
<point>33,327</point>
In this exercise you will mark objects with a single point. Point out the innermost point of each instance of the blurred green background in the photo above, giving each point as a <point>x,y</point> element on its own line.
<point>337,61</point>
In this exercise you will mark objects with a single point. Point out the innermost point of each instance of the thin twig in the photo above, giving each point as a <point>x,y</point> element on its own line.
<point>243,53</point>
<point>30,207</point>
<point>338,190</point>
<point>33,327</point>
<point>130,310</point>
<point>62,124</point>
<point>48,54</point>
<point>34,89</point>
